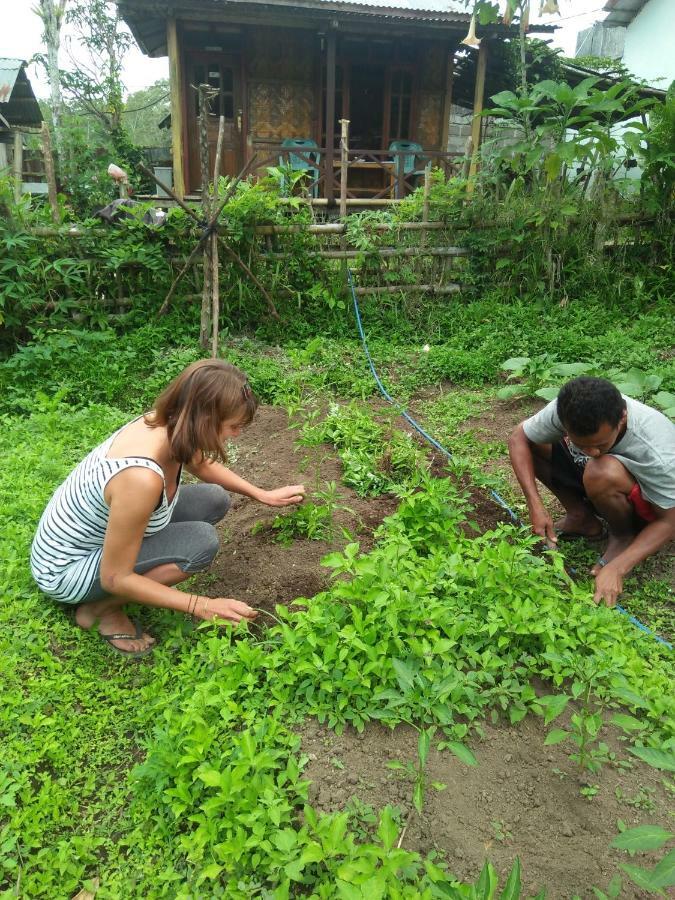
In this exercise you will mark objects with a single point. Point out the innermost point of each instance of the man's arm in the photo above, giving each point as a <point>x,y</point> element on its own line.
<point>522,462</point>
<point>609,579</point>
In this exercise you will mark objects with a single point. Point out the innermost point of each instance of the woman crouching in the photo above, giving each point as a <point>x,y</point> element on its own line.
<point>121,529</point>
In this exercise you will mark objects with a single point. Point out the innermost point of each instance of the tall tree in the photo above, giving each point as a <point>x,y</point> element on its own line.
<point>51,12</point>
<point>96,82</point>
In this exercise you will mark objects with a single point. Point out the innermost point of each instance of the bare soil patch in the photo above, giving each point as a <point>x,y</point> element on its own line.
<point>521,800</point>
<point>255,567</point>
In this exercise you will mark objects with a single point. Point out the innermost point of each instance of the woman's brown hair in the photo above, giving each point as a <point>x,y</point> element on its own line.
<point>195,405</point>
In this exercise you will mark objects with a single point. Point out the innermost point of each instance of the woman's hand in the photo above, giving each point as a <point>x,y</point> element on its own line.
<point>222,608</point>
<point>283,496</point>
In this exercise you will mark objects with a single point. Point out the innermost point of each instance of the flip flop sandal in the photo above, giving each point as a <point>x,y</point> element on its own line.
<point>109,638</point>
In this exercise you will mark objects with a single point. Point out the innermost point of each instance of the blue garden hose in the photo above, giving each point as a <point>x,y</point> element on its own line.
<point>434,443</point>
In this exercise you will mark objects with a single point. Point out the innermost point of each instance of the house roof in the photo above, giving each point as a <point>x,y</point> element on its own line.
<point>147,20</point>
<point>18,106</point>
<point>622,12</point>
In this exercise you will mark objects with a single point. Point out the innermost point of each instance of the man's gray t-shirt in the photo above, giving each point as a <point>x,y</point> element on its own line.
<point>647,449</point>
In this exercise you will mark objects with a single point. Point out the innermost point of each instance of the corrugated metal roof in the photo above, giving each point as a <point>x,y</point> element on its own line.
<point>622,12</point>
<point>18,105</point>
<point>9,70</point>
<point>432,6</point>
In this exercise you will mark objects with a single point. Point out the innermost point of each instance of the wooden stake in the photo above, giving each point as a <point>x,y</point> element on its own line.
<point>49,171</point>
<point>215,295</point>
<point>18,165</point>
<point>344,162</point>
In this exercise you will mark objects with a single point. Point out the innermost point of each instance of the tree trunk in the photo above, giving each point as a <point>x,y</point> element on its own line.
<point>51,12</point>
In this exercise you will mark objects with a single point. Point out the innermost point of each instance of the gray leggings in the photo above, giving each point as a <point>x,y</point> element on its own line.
<point>189,540</point>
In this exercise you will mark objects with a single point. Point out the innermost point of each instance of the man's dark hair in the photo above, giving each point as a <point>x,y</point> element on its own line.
<point>585,404</point>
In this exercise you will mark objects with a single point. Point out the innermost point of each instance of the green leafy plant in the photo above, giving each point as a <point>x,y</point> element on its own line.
<point>417,772</point>
<point>658,878</point>
<point>311,520</point>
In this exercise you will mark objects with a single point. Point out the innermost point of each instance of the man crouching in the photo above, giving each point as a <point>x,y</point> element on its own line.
<point>604,456</point>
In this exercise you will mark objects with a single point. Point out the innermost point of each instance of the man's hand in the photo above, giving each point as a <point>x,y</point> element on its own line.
<point>608,585</point>
<point>283,496</point>
<point>542,524</point>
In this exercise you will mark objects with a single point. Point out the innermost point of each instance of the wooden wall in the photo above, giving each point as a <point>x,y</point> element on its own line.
<point>431,94</point>
<point>282,94</point>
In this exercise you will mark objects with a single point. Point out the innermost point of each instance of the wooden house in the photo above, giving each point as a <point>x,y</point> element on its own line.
<point>293,69</point>
<point>19,114</point>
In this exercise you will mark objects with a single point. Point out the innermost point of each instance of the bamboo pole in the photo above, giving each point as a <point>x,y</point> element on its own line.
<point>215,280</point>
<point>49,171</point>
<point>425,204</point>
<point>18,165</point>
<point>207,296</point>
<point>410,288</point>
<point>383,252</point>
<point>344,164</point>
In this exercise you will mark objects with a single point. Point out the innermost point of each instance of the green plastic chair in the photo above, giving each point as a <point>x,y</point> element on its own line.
<point>406,162</point>
<point>297,163</point>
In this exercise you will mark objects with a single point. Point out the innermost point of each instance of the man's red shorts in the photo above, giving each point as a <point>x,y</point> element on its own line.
<point>568,473</point>
<point>643,508</point>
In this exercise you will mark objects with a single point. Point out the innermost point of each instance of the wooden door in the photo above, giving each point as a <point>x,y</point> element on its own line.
<point>222,73</point>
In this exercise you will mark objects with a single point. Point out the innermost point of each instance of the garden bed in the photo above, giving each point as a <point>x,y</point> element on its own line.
<point>522,799</point>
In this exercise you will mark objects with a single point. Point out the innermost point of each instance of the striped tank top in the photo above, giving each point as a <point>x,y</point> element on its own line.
<point>66,553</point>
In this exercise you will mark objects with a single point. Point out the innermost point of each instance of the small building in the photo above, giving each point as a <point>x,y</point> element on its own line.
<point>639,33</point>
<point>291,70</point>
<point>19,114</point>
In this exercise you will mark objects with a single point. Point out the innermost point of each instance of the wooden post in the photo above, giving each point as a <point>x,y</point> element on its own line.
<point>215,275</point>
<point>18,165</point>
<point>49,171</point>
<point>208,264</point>
<point>425,203</point>
<point>478,96</point>
<point>176,87</point>
<point>344,164</point>
<point>330,115</point>
<point>447,100</point>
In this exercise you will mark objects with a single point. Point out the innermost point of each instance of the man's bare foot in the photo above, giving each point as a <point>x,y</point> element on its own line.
<point>615,547</point>
<point>583,525</point>
<point>112,620</point>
